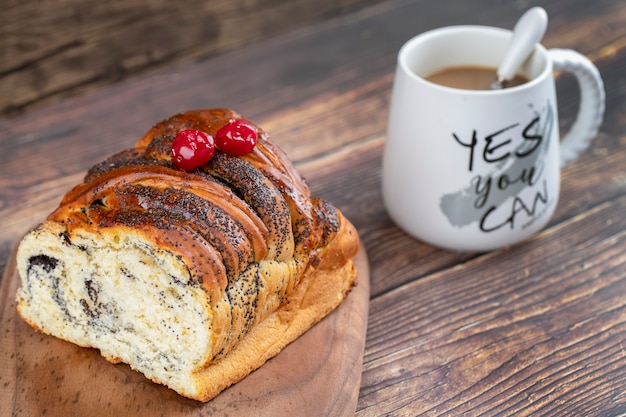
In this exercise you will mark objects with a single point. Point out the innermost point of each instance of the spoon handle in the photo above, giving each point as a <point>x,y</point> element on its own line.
<point>527,32</point>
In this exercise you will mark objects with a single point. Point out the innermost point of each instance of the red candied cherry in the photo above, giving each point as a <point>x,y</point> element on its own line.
<point>236,138</point>
<point>192,149</point>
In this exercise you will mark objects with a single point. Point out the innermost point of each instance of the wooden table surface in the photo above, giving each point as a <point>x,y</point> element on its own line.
<point>536,329</point>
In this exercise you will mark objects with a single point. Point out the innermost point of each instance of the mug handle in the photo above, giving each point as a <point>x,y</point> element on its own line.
<point>591,109</point>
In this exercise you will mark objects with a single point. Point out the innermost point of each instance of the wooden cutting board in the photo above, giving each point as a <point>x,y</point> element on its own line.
<point>317,375</point>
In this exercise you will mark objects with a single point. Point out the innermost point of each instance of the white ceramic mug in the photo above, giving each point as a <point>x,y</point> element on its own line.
<point>472,170</point>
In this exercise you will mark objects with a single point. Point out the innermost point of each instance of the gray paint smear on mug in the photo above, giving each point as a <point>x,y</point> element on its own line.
<point>460,207</point>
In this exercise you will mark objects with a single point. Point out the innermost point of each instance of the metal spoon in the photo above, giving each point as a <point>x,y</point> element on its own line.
<point>528,31</point>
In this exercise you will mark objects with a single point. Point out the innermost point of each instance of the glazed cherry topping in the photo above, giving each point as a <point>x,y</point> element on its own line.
<point>192,149</point>
<point>236,138</point>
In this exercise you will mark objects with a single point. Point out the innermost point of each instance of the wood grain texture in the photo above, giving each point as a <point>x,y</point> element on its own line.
<point>309,113</point>
<point>317,375</point>
<point>537,329</point>
<point>53,49</point>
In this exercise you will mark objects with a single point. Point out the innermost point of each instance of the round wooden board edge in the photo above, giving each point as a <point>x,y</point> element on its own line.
<point>236,400</point>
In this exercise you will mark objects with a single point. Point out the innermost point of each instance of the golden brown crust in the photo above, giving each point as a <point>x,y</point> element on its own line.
<point>264,196</point>
<point>320,291</point>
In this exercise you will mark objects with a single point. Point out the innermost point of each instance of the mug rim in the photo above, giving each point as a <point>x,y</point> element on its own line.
<point>412,43</point>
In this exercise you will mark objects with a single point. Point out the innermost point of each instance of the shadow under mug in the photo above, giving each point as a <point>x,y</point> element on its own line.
<point>476,170</point>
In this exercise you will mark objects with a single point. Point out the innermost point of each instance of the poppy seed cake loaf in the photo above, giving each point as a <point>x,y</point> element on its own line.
<point>194,278</point>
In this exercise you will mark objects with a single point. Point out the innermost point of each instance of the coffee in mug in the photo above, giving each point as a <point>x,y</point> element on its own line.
<point>470,78</point>
<point>476,170</point>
